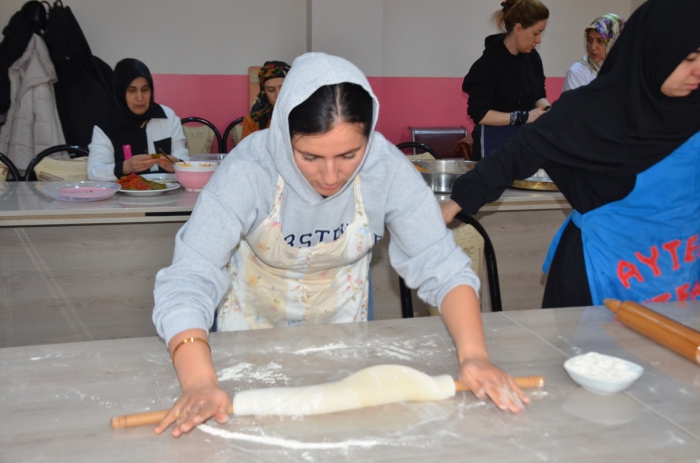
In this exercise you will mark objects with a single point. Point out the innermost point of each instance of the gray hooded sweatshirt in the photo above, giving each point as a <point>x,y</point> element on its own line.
<point>240,196</point>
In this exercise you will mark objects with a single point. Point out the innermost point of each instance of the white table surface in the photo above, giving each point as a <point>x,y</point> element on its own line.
<point>57,399</point>
<point>23,204</point>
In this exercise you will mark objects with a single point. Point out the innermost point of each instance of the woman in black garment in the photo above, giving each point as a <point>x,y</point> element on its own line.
<point>136,129</point>
<point>625,152</point>
<point>506,84</point>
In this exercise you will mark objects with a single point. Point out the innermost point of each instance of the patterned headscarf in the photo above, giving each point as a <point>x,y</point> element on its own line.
<point>262,108</point>
<point>609,26</point>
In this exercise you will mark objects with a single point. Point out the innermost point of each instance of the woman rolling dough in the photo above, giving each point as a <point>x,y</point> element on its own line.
<point>283,232</point>
<point>631,170</point>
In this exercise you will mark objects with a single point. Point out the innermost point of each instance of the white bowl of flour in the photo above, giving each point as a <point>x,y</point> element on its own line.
<point>602,374</point>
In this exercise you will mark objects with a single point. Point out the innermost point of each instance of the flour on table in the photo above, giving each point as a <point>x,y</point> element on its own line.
<point>599,366</point>
<point>287,443</point>
<point>268,374</point>
<point>308,350</point>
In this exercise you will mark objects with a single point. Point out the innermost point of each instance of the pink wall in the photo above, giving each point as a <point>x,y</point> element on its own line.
<point>217,98</point>
<point>404,101</point>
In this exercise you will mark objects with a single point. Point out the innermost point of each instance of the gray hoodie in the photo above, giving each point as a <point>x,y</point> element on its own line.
<point>240,196</point>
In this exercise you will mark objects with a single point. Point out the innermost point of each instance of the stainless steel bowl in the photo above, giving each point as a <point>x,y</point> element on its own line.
<point>208,157</point>
<point>442,173</point>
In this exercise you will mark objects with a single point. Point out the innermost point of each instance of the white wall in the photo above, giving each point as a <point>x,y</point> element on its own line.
<point>442,38</point>
<point>351,29</point>
<point>636,4</point>
<point>189,36</point>
<point>435,38</point>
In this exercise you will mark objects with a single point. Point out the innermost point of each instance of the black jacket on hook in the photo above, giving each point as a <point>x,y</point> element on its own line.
<point>84,88</point>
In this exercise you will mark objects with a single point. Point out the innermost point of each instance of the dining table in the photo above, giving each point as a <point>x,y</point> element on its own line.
<point>81,271</point>
<point>58,399</point>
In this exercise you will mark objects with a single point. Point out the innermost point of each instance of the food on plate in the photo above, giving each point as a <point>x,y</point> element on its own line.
<point>136,182</point>
<point>421,169</point>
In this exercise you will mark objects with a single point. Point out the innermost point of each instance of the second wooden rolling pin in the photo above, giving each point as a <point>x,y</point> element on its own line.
<point>669,333</point>
<point>155,417</point>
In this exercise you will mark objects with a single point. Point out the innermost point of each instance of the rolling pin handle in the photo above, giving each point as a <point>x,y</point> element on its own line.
<point>521,381</point>
<point>612,304</point>
<point>143,419</point>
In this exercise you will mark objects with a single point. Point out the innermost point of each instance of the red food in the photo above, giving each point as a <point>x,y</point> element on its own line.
<point>133,182</point>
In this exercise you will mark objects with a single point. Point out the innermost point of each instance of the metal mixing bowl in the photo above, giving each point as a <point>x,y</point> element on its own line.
<point>442,173</point>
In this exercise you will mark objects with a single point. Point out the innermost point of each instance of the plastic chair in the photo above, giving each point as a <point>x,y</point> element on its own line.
<point>12,169</point>
<point>73,150</point>
<point>491,271</point>
<point>442,139</point>
<point>227,134</point>
<point>414,145</point>
<point>217,135</point>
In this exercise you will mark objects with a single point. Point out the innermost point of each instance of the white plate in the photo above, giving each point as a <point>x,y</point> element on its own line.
<point>140,201</point>
<point>540,176</point>
<point>80,191</point>
<point>170,181</point>
<point>162,178</point>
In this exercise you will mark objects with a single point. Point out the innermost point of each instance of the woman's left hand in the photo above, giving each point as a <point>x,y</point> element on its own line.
<point>449,210</point>
<point>167,165</point>
<point>485,379</point>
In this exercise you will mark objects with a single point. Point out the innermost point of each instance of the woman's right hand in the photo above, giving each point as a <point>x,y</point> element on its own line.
<point>535,113</point>
<point>138,163</point>
<point>195,406</point>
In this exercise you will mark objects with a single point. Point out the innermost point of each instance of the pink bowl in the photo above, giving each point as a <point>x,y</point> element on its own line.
<point>193,175</point>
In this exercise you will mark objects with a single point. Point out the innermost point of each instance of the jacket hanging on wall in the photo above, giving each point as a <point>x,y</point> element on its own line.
<point>32,120</point>
<point>30,20</point>
<point>85,82</point>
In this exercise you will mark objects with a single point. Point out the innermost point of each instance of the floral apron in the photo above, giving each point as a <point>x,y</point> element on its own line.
<point>276,285</point>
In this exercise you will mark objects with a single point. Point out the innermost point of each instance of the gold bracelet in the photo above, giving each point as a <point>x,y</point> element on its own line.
<point>187,340</point>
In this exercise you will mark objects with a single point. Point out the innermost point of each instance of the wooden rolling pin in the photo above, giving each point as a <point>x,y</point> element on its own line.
<point>155,417</point>
<point>671,334</point>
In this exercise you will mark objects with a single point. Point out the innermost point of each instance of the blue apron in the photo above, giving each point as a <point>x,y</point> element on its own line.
<point>645,247</point>
<point>492,137</point>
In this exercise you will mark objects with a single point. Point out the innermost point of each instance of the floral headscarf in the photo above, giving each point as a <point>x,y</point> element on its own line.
<point>262,108</point>
<point>609,26</point>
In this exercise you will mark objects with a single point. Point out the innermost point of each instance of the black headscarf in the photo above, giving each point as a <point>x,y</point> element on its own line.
<point>125,72</point>
<point>621,123</point>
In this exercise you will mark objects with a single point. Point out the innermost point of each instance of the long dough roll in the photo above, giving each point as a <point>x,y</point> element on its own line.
<point>377,385</point>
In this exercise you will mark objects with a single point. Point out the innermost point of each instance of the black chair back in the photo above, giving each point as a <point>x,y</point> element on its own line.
<point>16,177</point>
<point>73,150</point>
<point>217,135</point>
<point>415,144</point>
<point>491,271</point>
<point>227,133</point>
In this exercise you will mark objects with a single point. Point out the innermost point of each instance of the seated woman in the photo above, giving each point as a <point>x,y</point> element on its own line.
<point>137,129</point>
<point>600,37</point>
<point>625,152</point>
<point>506,84</point>
<point>282,235</point>
<point>271,77</point>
